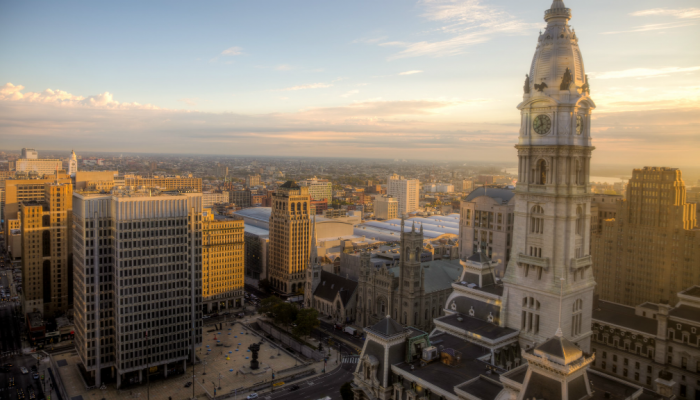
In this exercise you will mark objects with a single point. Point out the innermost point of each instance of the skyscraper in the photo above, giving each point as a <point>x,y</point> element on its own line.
<point>550,251</point>
<point>222,262</point>
<point>650,251</point>
<point>406,191</point>
<point>289,238</point>
<point>137,280</point>
<point>46,250</point>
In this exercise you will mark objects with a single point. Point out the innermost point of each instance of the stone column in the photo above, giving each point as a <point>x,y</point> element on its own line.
<point>119,380</point>
<point>140,376</point>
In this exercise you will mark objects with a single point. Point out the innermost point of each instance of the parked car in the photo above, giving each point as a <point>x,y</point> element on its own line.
<point>35,376</point>
<point>188,384</point>
<point>24,370</point>
<point>293,388</point>
<point>252,396</point>
<point>33,368</point>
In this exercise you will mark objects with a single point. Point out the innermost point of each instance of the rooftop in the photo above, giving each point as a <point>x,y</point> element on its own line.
<point>258,213</point>
<point>501,195</point>
<point>445,376</point>
<point>386,327</point>
<point>476,326</point>
<point>332,284</point>
<point>620,315</point>
<point>692,291</point>
<point>439,274</point>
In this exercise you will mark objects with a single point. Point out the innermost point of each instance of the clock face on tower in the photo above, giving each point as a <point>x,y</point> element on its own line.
<point>579,124</point>
<point>542,124</point>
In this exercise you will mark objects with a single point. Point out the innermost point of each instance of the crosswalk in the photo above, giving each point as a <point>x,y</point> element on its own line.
<point>350,359</point>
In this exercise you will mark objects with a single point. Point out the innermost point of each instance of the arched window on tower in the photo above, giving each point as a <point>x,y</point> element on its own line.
<point>541,172</point>
<point>537,219</point>
<point>577,317</point>
<point>579,220</point>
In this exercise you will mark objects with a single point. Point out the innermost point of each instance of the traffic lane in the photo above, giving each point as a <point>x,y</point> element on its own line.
<point>352,339</point>
<point>316,388</point>
<point>22,381</point>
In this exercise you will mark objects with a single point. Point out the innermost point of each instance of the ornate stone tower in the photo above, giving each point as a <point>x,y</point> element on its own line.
<point>72,164</point>
<point>410,275</point>
<point>313,271</point>
<point>552,212</point>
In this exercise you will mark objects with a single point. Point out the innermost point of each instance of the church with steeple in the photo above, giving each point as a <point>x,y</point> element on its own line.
<point>527,337</point>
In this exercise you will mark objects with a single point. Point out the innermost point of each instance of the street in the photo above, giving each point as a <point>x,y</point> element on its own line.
<point>319,387</point>
<point>9,323</point>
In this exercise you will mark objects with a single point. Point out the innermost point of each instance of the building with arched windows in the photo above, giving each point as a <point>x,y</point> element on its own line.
<point>289,238</point>
<point>528,336</point>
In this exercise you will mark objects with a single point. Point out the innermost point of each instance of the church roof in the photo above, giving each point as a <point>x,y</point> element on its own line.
<point>560,350</point>
<point>332,284</point>
<point>438,274</point>
<point>386,327</point>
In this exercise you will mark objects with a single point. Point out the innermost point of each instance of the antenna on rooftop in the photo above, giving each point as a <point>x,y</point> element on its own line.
<point>561,295</point>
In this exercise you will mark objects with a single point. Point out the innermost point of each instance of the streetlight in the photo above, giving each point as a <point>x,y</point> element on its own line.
<point>205,367</point>
<point>220,381</point>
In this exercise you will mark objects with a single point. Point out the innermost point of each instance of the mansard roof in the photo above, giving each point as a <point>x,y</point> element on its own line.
<point>386,327</point>
<point>560,350</point>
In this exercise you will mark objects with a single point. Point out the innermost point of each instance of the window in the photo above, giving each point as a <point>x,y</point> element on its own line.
<point>541,172</point>
<point>577,317</point>
<point>580,222</point>
<point>537,219</point>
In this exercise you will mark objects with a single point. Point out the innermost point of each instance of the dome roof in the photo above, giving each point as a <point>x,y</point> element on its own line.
<point>557,51</point>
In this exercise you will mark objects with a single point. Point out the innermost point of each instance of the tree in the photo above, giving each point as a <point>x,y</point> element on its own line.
<point>346,391</point>
<point>306,321</point>
<point>285,313</point>
<point>268,306</point>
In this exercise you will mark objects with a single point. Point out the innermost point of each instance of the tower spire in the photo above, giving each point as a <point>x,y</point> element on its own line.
<point>313,254</point>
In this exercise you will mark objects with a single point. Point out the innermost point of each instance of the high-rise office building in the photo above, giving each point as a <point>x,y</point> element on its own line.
<point>252,181</point>
<point>40,166</point>
<point>16,192</point>
<point>289,238</point>
<point>220,170</point>
<point>486,222</point>
<point>29,154</point>
<point>406,191</point>
<point>386,207</point>
<point>222,263</point>
<point>137,281</point>
<point>650,251</point>
<point>165,182</point>
<point>46,251</point>
<point>319,189</point>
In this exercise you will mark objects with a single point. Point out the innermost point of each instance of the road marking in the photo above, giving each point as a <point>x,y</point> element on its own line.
<point>350,359</point>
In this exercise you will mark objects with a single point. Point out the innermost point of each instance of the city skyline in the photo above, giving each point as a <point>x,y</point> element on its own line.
<point>420,78</point>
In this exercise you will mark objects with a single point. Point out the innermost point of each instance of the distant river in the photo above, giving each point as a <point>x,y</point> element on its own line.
<point>594,179</point>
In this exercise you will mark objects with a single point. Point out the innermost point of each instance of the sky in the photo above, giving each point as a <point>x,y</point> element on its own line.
<point>410,79</point>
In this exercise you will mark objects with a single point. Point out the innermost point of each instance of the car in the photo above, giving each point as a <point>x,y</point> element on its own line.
<point>20,394</point>
<point>188,384</point>
<point>252,396</point>
<point>33,368</point>
<point>8,365</point>
<point>24,370</point>
<point>35,376</point>
<point>11,382</point>
<point>293,388</point>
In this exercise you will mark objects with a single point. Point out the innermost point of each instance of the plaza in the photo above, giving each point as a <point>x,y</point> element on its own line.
<point>223,359</point>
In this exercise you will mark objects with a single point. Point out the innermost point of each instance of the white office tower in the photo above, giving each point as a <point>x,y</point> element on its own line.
<point>405,191</point>
<point>29,154</point>
<point>72,164</point>
<point>137,282</point>
<point>551,237</point>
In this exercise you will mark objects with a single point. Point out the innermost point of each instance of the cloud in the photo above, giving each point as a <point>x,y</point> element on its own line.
<point>310,86</point>
<point>232,51</point>
<point>283,67</point>
<point>644,72</point>
<point>652,27</point>
<point>410,72</point>
<point>350,93</point>
<point>683,13</point>
<point>10,92</point>
<point>466,23</point>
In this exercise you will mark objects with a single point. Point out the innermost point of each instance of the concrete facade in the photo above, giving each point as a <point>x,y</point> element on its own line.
<point>386,207</point>
<point>405,191</point>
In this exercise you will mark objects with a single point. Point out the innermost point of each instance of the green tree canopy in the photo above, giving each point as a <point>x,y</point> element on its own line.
<point>307,320</point>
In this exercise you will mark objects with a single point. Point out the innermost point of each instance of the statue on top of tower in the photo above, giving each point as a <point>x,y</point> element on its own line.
<point>526,87</point>
<point>566,80</point>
